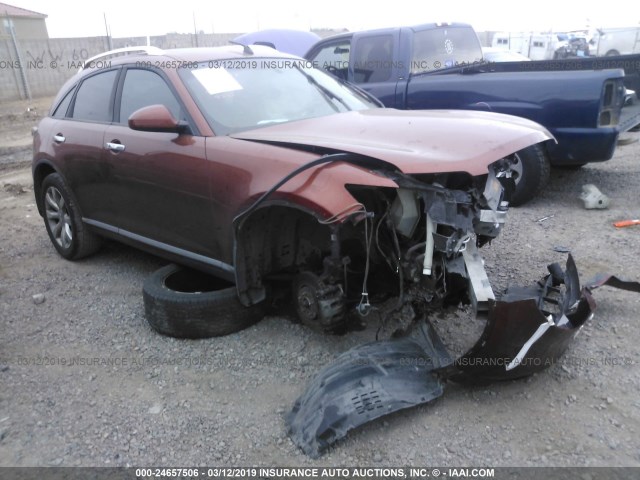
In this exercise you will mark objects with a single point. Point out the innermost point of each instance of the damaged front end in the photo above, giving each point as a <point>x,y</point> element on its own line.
<point>420,252</point>
<point>528,329</point>
<point>356,240</point>
<point>398,255</point>
<point>402,252</point>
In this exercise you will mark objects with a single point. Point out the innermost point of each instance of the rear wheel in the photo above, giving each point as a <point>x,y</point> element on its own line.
<point>531,169</point>
<point>63,220</point>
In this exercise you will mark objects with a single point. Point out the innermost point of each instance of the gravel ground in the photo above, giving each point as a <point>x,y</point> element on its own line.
<point>86,382</point>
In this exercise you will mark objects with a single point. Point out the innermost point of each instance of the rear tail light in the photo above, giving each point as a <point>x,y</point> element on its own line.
<point>612,101</point>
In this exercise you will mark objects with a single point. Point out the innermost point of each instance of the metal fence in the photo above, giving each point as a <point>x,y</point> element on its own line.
<point>37,68</point>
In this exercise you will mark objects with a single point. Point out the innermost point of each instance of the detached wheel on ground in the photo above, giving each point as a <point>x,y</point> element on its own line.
<point>186,303</point>
<point>531,171</point>
<point>63,220</point>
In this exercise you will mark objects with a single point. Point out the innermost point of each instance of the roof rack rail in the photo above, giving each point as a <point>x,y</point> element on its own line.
<point>111,53</point>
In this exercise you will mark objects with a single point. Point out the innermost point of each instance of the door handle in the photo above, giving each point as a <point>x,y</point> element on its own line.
<point>115,147</point>
<point>59,138</point>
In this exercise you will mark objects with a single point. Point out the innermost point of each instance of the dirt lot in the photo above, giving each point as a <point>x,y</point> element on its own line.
<point>86,382</point>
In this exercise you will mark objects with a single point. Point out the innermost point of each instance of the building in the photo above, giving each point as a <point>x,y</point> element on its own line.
<point>26,24</point>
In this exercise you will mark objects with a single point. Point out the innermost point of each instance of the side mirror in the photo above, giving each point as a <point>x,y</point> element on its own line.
<point>156,118</point>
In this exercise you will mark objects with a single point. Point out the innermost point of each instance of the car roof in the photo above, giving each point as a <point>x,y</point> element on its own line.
<point>199,54</point>
<point>155,56</point>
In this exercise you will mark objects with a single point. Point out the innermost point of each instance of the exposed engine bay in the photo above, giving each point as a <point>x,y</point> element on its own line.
<point>399,253</point>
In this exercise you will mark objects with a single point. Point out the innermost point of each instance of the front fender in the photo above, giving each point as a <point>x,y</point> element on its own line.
<point>316,190</point>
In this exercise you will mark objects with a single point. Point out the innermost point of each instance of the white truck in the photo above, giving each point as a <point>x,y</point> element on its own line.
<point>616,41</point>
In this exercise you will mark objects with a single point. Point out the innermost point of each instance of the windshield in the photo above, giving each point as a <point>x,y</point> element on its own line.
<point>238,95</point>
<point>444,47</point>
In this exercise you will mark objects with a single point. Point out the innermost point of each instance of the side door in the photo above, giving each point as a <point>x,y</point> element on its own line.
<point>78,136</point>
<point>160,181</point>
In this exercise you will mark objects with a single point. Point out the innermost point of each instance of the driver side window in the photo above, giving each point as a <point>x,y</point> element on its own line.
<point>334,58</point>
<point>143,88</point>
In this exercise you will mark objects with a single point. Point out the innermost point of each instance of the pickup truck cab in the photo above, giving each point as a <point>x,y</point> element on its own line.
<point>440,66</point>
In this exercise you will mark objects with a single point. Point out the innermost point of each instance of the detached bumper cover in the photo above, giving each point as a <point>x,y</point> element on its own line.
<point>528,328</point>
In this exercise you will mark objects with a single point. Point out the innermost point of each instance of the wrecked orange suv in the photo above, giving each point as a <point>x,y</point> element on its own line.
<point>251,165</point>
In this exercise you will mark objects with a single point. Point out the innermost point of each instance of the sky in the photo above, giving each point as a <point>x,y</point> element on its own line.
<point>125,18</point>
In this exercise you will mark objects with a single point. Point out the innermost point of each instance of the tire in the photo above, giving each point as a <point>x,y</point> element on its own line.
<point>184,303</point>
<point>63,220</point>
<point>573,166</point>
<point>612,53</point>
<point>532,167</point>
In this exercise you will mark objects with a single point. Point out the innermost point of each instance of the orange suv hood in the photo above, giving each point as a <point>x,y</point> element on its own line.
<point>416,141</point>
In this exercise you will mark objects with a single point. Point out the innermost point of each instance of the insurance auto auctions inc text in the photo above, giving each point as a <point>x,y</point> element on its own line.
<point>407,472</point>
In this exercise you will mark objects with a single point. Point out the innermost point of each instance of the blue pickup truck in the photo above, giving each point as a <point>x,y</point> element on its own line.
<point>440,66</point>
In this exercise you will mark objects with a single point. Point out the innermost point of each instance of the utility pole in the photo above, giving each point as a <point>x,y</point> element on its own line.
<point>106,27</point>
<point>21,64</point>
<point>195,30</point>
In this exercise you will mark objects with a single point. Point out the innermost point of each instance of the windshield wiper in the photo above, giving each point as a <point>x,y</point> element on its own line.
<point>326,93</point>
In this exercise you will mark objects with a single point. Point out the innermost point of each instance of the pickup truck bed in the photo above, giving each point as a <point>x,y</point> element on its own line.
<point>630,64</point>
<point>570,113</point>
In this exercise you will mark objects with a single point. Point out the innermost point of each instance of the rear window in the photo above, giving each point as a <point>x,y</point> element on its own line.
<point>63,106</point>
<point>444,47</point>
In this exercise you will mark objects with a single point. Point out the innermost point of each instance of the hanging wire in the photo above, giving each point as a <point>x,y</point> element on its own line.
<point>345,212</point>
<point>364,307</point>
<point>379,248</point>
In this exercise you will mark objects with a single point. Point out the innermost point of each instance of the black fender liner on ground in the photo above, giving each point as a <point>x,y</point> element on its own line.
<point>365,383</point>
<point>186,303</point>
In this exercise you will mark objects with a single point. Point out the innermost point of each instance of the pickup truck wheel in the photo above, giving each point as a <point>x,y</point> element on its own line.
<point>63,220</point>
<point>573,166</point>
<point>531,169</point>
<point>184,303</point>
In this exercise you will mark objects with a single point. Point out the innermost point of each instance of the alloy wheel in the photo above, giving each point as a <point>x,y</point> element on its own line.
<point>58,217</point>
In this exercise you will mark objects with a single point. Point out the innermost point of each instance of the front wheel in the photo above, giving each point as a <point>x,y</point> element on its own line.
<point>63,220</point>
<point>531,170</point>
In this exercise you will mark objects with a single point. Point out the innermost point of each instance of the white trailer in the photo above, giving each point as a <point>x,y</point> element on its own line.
<point>536,46</point>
